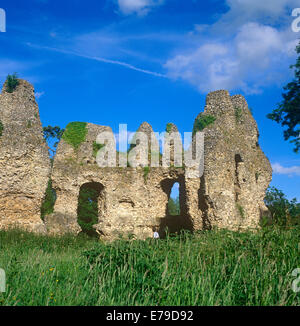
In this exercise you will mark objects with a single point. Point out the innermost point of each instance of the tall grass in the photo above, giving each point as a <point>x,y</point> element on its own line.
<point>207,268</point>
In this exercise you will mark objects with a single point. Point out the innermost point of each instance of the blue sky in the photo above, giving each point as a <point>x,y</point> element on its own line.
<point>129,61</point>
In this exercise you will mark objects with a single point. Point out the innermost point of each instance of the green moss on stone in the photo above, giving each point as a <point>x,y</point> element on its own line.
<point>202,122</point>
<point>238,114</point>
<point>169,127</point>
<point>146,172</point>
<point>241,210</point>
<point>96,148</point>
<point>75,133</point>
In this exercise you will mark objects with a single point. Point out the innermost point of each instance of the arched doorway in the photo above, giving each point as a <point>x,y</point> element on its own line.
<point>90,201</point>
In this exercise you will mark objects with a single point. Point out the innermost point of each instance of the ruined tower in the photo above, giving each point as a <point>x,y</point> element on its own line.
<point>24,160</point>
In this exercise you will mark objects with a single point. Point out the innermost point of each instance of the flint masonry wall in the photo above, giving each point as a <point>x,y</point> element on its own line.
<point>236,171</point>
<point>131,201</point>
<point>24,160</point>
<point>230,194</point>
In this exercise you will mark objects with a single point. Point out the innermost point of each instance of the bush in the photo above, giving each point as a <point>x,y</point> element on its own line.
<point>11,83</point>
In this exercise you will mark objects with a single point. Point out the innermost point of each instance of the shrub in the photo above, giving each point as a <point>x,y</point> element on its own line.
<point>75,133</point>
<point>202,122</point>
<point>12,82</point>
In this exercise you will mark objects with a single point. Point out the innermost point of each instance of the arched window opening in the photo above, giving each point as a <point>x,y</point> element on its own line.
<point>174,202</point>
<point>176,218</point>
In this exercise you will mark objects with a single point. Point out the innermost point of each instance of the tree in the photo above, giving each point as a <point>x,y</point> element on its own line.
<point>283,211</point>
<point>174,206</point>
<point>53,134</point>
<point>288,111</point>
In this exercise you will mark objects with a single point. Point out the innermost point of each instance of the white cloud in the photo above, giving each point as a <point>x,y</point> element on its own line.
<point>254,58</point>
<point>257,9</point>
<point>250,47</point>
<point>290,171</point>
<point>139,7</point>
<point>38,95</point>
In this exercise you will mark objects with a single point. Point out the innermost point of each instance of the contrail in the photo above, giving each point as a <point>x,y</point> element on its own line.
<point>100,59</point>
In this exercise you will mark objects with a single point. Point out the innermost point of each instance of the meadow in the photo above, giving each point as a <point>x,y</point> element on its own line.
<point>215,267</point>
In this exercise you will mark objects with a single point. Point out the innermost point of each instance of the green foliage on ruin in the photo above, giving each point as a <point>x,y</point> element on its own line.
<point>241,210</point>
<point>49,201</point>
<point>238,114</point>
<point>96,148</point>
<point>1,128</point>
<point>202,122</point>
<point>87,212</point>
<point>146,170</point>
<point>169,127</point>
<point>75,133</point>
<point>12,82</point>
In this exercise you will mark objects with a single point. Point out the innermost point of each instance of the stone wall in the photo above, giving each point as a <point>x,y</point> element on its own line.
<point>24,160</point>
<point>230,194</point>
<point>236,171</point>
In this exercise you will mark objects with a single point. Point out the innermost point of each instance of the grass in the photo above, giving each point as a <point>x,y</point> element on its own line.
<point>208,268</point>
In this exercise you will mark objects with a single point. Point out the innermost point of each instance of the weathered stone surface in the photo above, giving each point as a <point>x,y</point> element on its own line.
<point>132,200</point>
<point>24,160</point>
<point>236,171</point>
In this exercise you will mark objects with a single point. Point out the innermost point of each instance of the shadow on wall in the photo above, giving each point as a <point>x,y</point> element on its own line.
<point>176,219</point>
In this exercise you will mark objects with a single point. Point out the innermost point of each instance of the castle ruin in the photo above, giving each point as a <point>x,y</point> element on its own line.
<point>230,193</point>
